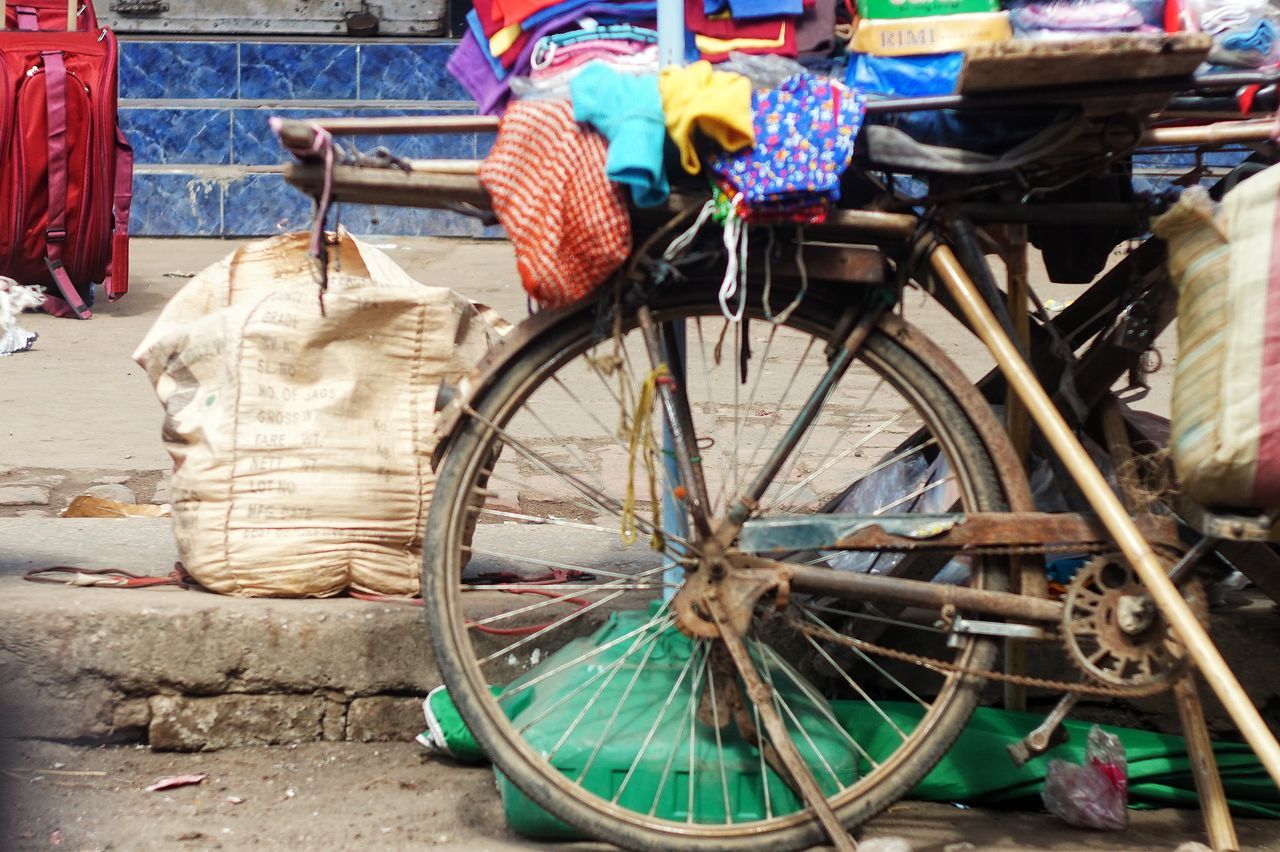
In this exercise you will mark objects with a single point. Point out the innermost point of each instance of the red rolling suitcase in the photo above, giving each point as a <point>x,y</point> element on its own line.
<point>66,170</point>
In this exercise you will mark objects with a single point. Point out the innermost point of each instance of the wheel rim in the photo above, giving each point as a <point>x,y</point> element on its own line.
<point>477,660</point>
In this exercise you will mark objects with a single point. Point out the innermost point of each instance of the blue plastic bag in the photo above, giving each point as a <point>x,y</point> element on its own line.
<point>904,76</point>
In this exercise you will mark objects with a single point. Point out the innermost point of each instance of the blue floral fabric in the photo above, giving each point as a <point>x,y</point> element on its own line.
<point>805,130</point>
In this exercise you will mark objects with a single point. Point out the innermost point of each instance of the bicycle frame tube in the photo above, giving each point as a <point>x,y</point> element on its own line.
<point>1094,486</point>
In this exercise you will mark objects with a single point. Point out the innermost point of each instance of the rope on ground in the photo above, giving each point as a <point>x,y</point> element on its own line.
<point>109,578</point>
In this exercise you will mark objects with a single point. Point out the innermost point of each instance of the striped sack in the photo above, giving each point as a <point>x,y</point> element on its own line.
<point>1225,438</point>
<point>567,223</point>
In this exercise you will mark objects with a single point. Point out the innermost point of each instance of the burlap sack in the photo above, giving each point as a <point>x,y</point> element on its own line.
<point>1225,436</point>
<point>301,441</point>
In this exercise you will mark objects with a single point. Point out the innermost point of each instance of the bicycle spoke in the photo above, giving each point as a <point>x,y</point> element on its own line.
<point>602,501</point>
<point>612,433</point>
<point>651,641</point>
<point>792,381</point>
<point>784,706</point>
<point>563,566</point>
<point>764,769</point>
<point>573,616</point>
<point>907,498</point>
<point>715,720</point>
<point>535,520</point>
<point>821,703</point>
<point>722,493</point>
<point>622,702</point>
<point>755,386</point>
<point>641,523</point>
<point>701,647</point>
<point>880,619</point>
<point>568,597</point>
<point>581,658</point>
<point>653,730</point>
<point>862,442</point>
<point>865,658</point>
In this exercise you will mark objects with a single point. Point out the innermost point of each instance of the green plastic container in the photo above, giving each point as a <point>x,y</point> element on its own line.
<point>630,765</point>
<point>894,9</point>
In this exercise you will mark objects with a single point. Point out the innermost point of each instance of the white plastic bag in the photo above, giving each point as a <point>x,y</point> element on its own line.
<point>1095,794</point>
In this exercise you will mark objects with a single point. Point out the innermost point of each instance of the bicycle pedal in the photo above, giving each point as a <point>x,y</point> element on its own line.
<point>1047,734</point>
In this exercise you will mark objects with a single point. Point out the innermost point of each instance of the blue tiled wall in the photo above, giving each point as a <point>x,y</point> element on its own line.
<point>208,164</point>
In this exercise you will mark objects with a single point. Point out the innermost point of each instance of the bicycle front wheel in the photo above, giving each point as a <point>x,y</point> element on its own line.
<point>550,568</point>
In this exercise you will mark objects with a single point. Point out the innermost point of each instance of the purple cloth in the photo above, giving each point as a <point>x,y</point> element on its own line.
<point>477,29</point>
<point>469,63</point>
<point>1106,16</point>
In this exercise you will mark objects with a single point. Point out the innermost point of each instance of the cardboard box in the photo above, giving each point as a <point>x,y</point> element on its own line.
<point>938,34</point>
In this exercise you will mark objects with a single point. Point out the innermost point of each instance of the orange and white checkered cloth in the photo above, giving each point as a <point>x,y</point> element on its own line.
<point>569,225</point>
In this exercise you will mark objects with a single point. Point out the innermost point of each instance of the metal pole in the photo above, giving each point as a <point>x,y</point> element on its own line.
<point>670,32</point>
<point>671,52</point>
<point>1113,515</point>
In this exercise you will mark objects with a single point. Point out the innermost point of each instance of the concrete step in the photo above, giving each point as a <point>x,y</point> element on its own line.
<point>188,670</point>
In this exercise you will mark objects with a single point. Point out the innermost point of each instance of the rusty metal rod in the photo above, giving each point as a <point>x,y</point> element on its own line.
<point>1210,134</point>
<point>876,587</point>
<point>1100,496</point>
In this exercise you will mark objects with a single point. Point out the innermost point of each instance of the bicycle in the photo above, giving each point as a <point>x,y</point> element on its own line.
<point>706,468</point>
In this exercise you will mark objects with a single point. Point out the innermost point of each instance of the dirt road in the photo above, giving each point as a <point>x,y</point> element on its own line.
<point>390,796</point>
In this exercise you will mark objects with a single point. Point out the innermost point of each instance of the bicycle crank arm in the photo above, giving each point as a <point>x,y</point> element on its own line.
<point>999,532</point>
<point>1047,734</point>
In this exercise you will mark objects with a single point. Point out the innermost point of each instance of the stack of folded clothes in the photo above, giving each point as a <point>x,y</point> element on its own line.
<point>518,47</point>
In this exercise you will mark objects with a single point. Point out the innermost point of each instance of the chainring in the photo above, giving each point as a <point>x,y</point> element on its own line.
<point>1116,634</point>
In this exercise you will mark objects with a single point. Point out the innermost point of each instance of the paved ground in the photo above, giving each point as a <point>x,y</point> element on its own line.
<point>390,796</point>
<point>77,413</point>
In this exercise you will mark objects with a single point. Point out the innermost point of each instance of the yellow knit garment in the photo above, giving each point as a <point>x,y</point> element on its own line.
<point>716,102</point>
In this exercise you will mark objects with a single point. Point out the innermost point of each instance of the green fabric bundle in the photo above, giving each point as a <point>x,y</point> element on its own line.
<point>977,770</point>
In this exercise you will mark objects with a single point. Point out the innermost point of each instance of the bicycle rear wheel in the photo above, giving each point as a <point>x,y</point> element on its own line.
<point>608,717</point>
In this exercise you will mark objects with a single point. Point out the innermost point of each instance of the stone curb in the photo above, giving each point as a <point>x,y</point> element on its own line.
<point>186,670</point>
<point>192,671</point>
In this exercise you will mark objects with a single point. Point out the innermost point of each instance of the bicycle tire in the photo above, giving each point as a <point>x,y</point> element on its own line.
<point>561,337</point>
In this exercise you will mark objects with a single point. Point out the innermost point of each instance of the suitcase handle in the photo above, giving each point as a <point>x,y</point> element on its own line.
<point>73,14</point>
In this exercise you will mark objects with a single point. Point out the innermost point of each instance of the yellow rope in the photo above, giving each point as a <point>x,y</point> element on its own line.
<point>639,437</point>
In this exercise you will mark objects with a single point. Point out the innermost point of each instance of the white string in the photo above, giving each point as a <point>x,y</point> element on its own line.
<point>735,268</point>
<point>682,242</point>
<point>768,280</point>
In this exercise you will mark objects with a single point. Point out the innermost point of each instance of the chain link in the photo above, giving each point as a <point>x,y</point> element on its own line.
<point>1004,677</point>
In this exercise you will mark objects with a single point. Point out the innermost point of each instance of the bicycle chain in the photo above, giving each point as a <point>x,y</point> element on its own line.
<point>1004,677</point>
<point>997,549</point>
